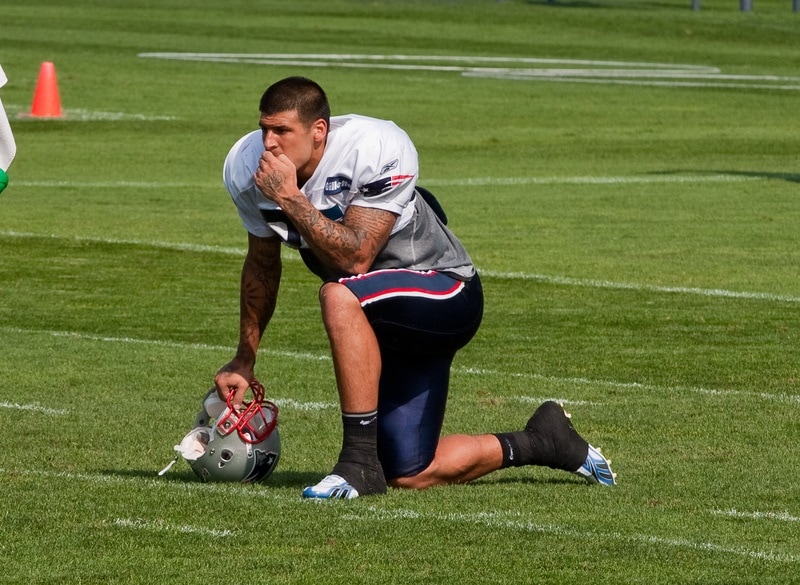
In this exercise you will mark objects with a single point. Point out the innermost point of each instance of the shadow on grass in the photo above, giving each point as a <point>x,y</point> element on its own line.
<point>560,480</point>
<point>790,177</point>
<point>301,479</point>
<point>278,478</point>
<point>600,4</point>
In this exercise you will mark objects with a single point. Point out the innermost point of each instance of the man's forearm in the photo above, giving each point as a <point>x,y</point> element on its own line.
<point>348,247</point>
<point>261,275</point>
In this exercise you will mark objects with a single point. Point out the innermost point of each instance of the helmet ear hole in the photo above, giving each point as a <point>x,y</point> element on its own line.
<point>225,455</point>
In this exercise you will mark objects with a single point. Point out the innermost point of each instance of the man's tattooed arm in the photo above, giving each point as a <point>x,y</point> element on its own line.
<point>261,274</point>
<point>349,247</point>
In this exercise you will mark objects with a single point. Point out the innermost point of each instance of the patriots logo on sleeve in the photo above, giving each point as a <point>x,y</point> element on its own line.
<point>383,185</point>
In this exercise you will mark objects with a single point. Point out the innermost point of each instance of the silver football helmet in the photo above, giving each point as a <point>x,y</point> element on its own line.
<point>233,445</point>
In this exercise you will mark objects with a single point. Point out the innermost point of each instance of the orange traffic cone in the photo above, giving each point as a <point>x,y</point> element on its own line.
<point>46,103</point>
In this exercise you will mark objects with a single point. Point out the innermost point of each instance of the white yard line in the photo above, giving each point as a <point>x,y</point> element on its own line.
<point>20,114</point>
<point>593,283</point>
<point>654,178</point>
<point>341,57</point>
<point>651,83</point>
<point>518,522</point>
<point>180,246</point>
<point>661,390</point>
<point>513,521</point>
<point>116,184</point>
<point>155,482</point>
<point>290,403</point>
<point>513,68</point>
<point>620,180</point>
<point>544,278</point>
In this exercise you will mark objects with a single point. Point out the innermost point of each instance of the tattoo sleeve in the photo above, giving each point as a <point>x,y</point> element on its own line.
<point>261,274</point>
<point>349,247</point>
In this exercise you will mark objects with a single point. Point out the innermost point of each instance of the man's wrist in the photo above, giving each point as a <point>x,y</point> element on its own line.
<point>245,355</point>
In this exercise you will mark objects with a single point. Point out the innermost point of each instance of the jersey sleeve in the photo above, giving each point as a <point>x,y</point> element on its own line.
<point>237,175</point>
<point>387,174</point>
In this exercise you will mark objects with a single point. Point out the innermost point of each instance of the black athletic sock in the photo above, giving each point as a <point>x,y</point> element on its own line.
<point>358,460</point>
<point>512,456</point>
<point>548,440</point>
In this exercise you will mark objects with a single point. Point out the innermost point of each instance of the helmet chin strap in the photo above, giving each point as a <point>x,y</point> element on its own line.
<point>192,446</point>
<point>212,407</point>
<point>169,465</point>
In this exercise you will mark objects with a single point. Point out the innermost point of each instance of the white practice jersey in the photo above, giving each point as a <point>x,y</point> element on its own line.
<point>8,148</point>
<point>367,162</point>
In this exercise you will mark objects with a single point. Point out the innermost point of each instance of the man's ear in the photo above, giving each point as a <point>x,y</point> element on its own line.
<point>320,130</point>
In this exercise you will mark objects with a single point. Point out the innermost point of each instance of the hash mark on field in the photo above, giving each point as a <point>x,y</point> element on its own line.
<point>733,513</point>
<point>561,401</point>
<point>33,407</point>
<point>296,405</point>
<point>162,526</point>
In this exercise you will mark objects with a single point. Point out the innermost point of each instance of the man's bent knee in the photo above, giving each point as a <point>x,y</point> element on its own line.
<point>420,481</point>
<point>333,297</point>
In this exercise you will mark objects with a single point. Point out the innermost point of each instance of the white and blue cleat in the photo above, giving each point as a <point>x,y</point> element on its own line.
<point>332,487</point>
<point>597,469</point>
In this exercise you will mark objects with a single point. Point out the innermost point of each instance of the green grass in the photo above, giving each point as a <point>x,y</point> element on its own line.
<point>640,253</point>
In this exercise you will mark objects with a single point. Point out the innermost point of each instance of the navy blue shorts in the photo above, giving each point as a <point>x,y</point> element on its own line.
<point>420,319</point>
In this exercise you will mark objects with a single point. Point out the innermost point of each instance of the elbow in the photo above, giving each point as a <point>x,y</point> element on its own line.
<point>358,261</point>
<point>360,267</point>
<point>363,259</point>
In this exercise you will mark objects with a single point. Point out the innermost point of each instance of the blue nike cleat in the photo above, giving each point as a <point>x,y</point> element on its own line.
<point>330,488</point>
<point>597,469</point>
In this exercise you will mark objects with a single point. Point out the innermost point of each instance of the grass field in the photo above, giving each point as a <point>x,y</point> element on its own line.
<point>626,175</point>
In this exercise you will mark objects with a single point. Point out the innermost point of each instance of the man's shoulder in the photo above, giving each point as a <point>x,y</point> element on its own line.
<point>353,131</point>
<point>242,160</point>
<point>356,124</point>
<point>249,144</point>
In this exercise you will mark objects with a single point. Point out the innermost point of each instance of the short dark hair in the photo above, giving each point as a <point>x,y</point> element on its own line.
<point>296,93</point>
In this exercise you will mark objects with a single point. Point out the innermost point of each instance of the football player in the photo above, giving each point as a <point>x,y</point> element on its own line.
<point>8,147</point>
<point>399,296</point>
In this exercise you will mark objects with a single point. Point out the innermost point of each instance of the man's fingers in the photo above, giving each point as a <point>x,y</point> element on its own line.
<point>238,397</point>
<point>226,383</point>
<point>222,391</point>
<point>238,389</point>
